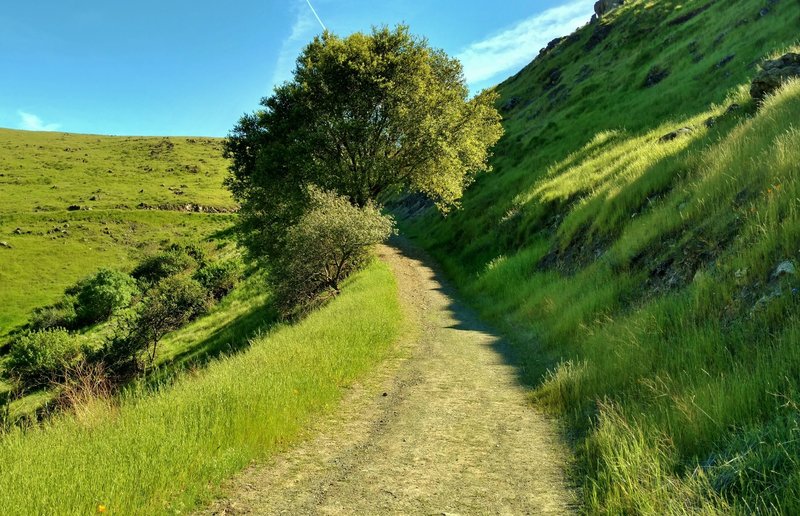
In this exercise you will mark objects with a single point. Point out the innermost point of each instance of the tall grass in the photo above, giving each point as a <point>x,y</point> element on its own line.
<point>164,452</point>
<point>636,275</point>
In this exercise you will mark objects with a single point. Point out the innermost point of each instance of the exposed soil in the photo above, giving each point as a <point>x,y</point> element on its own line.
<point>444,427</point>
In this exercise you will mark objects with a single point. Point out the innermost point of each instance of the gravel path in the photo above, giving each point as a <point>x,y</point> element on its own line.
<point>442,428</point>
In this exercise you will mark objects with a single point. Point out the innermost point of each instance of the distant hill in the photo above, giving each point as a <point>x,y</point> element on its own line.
<point>71,203</point>
<point>640,237</point>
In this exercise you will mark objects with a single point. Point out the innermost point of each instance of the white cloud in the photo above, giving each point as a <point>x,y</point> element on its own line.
<point>305,27</point>
<point>31,122</point>
<point>518,45</point>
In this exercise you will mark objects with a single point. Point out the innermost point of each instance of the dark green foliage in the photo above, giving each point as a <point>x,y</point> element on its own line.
<point>328,243</point>
<point>175,260</point>
<point>164,308</point>
<point>219,277</point>
<point>363,116</point>
<point>40,358</point>
<point>100,295</point>
<point>59,315</point>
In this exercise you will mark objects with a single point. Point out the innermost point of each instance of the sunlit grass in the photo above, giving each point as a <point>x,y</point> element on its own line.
<point>42,174</point>
<point>636,276</point>
<point>166,451</point>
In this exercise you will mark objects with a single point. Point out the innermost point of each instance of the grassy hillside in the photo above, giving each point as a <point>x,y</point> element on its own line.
<point>70,204</point>
<point>165,451</point>
<point>650,283</point>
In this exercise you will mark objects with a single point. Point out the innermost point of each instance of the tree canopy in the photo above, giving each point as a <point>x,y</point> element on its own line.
<point>363,115</point>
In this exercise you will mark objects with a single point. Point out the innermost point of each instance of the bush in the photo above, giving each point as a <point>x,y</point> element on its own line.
<point>100,295</point>
<point>331,241</point>
<point>59,315</point>
<point>167,306</point>
<point>41,358</point>
<point>175,260</point>
<point>220,277</point>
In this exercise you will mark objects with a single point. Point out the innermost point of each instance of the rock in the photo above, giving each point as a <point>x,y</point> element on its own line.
<point>690,15</point>
<point>774,73</point>
<point>603,7</point>
<point>550,46</point>
<point>725,60</point>
<point>786,268</point>
<point>73,207</point>
<point>655,75</point>
<point>94,198</point>
<point>710,122</point>
<point>763,12</point>
<point>584,73</point>
<point>552,79</point>
<point>18,231</point>
<point>732,108</point>
<point>601,32</point>
<point>683,131</point>
<point>511,104</point>
<point>6,245</point>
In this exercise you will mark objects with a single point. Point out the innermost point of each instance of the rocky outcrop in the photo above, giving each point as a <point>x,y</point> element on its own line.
<point>674,135</point>
<point>603,7</point>
<point>774,74</point>
<point>655,75</point>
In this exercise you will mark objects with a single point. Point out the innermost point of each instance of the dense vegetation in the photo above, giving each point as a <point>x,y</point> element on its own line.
<point>150,452</point>
<point>363,116</point>
<point>648,273</point>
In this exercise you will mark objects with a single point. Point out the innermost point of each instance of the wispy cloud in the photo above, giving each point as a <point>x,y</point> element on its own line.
<point>305,27</point>
<point>31,122</point>
<point>516,46</point>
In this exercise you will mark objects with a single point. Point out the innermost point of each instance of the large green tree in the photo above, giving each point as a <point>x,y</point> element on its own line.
<point>362,116</point>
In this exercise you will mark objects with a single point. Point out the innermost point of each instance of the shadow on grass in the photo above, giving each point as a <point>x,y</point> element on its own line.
<point>228,339</point>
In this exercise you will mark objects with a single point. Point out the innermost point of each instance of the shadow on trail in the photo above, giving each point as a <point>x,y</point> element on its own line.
<point>528,372</point>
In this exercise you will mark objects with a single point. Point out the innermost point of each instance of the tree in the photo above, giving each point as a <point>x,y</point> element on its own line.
<point>330,241</point>
<point>363,115</point>
<point>40,358</point>
<point>100,295</point>
<point>167,306</point>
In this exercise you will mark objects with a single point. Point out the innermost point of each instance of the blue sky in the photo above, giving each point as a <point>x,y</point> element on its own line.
<point>179,67</point>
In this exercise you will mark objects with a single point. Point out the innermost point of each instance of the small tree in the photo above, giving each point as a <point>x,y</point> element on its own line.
<point>167,306</point>
<point>220,277</point>
<point>329,242</point>
<point>41,358</point>
<point>175,260</point>
<point>100,295</point>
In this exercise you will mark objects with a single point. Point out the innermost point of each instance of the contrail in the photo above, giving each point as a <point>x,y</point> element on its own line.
<point>316,15</point>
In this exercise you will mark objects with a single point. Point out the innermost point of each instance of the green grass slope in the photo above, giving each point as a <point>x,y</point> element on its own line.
<point>165,452</point>
<point>133,195</point>
<point>641,278</point>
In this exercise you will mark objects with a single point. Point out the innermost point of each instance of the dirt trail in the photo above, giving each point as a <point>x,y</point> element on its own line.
<point>443,428</point>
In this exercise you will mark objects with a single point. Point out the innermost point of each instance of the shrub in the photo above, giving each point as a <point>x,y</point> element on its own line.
<point>59,315</point>
<point>100,295</point>
<point>220,277</point>
<point>167,306</point>
<point>41,358</point>
<point>175,260</point>
<point>330,241</point>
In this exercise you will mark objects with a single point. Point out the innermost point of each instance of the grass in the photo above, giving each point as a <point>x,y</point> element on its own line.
<point>636,275</point>
<point>176,445</point>
<point>43,174</point>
